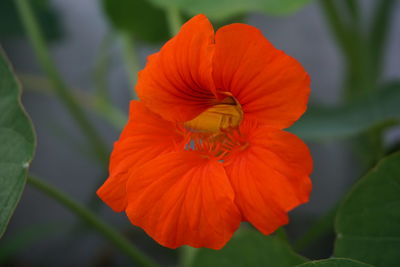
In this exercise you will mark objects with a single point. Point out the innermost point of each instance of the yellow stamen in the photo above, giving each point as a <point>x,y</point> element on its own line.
<point>222,115</point>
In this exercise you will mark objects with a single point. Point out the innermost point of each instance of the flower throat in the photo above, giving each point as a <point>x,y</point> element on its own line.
<point>221,116</point>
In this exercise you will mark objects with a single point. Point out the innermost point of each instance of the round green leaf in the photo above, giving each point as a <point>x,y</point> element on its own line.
<point>368,222</point>
<point>322,124</point>
<point>17,143</point>
<point>249,248</point>
<point>223,9</point>
<point>139,18</point>
<point>338,262</point>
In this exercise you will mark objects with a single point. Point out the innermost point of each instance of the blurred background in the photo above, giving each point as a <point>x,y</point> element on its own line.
<point>91,52</point>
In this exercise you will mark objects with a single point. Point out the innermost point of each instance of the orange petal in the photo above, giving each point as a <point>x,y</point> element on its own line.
<point>177,81</point>
<point>183,198</point>
<point>271,86</point>
<point>145,137</point>
<point>270,175</point>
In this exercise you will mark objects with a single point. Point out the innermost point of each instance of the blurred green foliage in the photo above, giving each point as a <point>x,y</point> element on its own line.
<point>350,119</point>
<point>367,223</point>
<point>25,238</point>
<point>334,263</point>
<point>11,25</point>
<point>139,17</point>
<point>147,20</point>
<point>249,248</point>
<point>17,141</point>
<point>225,9</point>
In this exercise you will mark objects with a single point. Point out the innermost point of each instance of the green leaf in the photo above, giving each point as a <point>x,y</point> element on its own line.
<point>139,18</point>
<point>249,248</point>
<point>338,262</point>
<point>17,143</point>
<point>368,222</point>
<point>11,26</point>
<point>322,124</point>
<point>223,9</point>
<point>26,237</point>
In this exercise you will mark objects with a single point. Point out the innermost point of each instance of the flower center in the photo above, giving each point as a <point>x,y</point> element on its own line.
<point>223,115</point>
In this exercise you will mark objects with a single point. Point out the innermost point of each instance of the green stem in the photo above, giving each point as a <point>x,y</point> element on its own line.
<point>31,26</point>
<point>361,77</point>
<point>379,30</point>
<point>87,216</point>
<point>354,10</point>
<point>174,20</point>
<point>281,234</point>
<point>354,44</point>
<point>106,111</point>
<point>320,229</point>
<point>187,255</point>
<point>131,60</point>
<point>101,67</point>
<point>336,24</point>
<point>110,113</point>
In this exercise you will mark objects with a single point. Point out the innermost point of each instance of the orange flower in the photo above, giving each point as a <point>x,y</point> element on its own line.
<point>204,149</point>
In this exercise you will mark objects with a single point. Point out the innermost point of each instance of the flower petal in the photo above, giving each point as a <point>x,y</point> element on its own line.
<point>272,87</point>
<point>145,137</point>
<point>183,198</point>
<point>270,175</point>
<point>177,81</point>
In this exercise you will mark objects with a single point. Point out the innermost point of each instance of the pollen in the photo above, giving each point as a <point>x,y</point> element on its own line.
<point>222,115</point>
